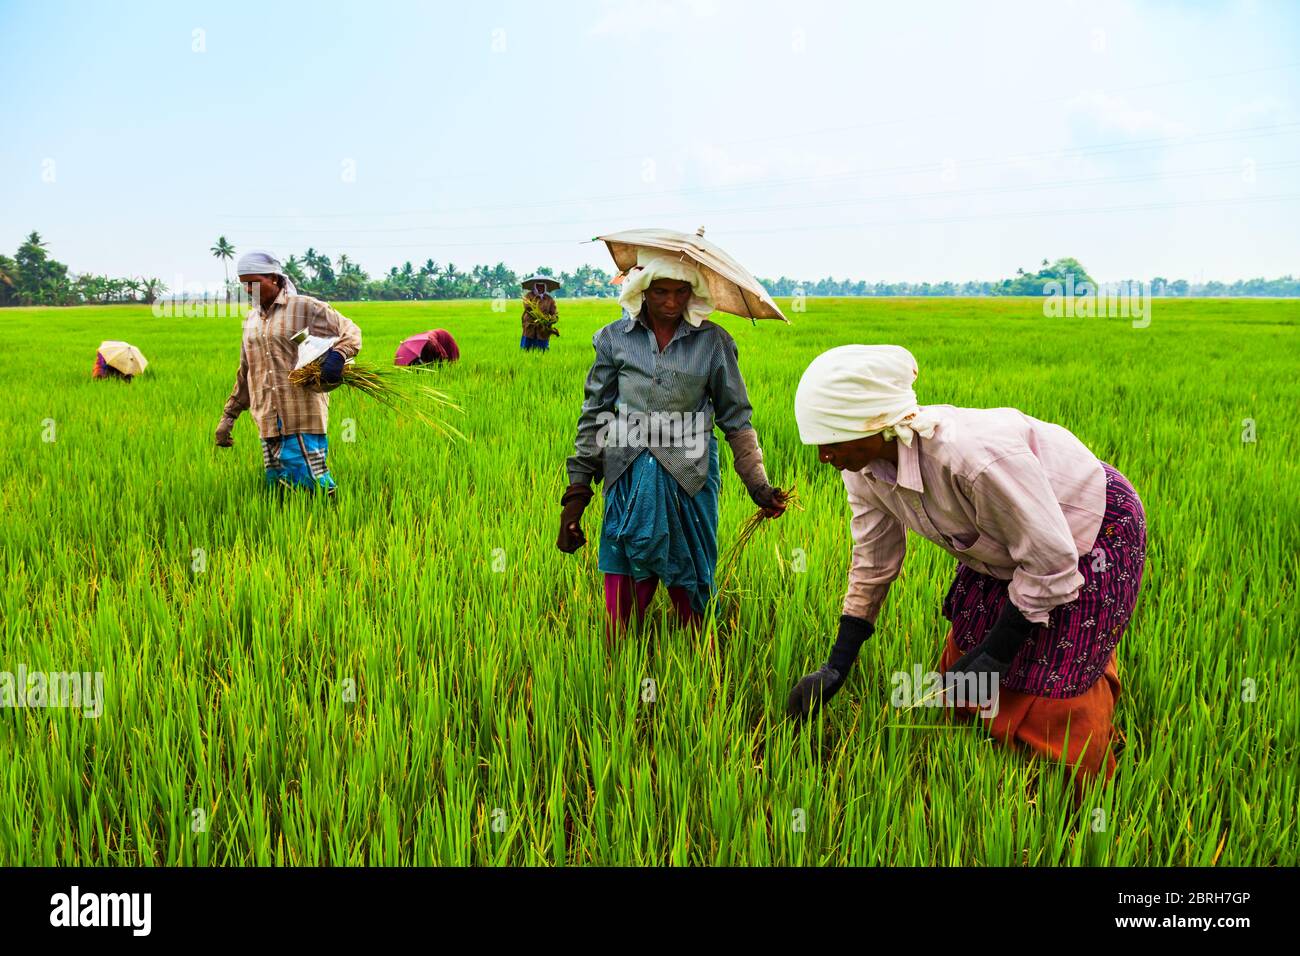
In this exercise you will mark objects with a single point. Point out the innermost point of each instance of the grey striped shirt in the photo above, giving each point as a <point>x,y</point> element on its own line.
<point>697,374</point>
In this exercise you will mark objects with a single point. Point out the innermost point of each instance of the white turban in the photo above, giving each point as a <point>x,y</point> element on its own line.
<point>654,264</point>
<point>858,390</point>
<point>261,263</point>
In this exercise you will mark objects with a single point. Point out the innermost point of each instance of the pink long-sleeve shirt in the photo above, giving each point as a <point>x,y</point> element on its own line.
<point>1009,496</point>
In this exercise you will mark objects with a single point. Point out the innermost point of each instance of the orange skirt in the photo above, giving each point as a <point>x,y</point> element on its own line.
<point>1039,723</point>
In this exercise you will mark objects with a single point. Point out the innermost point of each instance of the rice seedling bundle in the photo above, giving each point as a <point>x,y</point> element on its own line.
<point>538,322</point>
<point>391,387</point>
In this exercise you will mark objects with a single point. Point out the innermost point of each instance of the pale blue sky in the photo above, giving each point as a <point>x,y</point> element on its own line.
<point>896,141</point>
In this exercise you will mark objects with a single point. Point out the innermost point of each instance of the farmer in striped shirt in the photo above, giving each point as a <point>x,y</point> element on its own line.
<point>291,420</point>
<point>663,377</point>
<point>1050,544</point>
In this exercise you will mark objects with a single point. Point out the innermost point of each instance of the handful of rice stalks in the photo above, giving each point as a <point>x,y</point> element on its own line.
<point>537,319</point>
<point>393,388</point>
<point>728,595</point>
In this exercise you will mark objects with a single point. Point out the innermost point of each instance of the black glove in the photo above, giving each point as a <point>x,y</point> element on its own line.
<point>822,684</point>
<point>223,438</point>
<point>331,368</point>
<point>994,654</point>
<point>767,496</point>
<point>574,501</point>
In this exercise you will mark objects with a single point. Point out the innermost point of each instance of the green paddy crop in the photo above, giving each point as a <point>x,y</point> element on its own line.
<point>414,674</point>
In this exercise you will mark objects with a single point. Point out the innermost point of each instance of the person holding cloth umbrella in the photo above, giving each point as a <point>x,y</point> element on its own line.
<point>540,312</point>
<point>663,363</point>
<point>1050,544</point>
<point>118,360</point>
<point>291,420</point>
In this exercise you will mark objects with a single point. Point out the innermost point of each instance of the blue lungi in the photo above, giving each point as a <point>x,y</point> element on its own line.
<point>653,528</point>
<point>297,460</point>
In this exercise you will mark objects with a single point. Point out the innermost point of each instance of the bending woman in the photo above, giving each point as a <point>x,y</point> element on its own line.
<point>663,377</point>
<point>1050,544</point>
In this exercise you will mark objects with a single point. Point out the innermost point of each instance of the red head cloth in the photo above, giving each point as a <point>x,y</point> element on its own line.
<point>443,342</point>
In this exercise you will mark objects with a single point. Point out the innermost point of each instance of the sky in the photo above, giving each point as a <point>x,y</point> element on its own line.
<point>885,141</point>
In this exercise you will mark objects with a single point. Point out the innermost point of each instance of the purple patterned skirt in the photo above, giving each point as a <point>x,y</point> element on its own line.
<point>1066,656</point>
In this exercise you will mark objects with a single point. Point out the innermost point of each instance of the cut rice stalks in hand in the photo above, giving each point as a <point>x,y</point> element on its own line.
<point>539,324</point>
<point>394,388</point>
<point>727,595</point>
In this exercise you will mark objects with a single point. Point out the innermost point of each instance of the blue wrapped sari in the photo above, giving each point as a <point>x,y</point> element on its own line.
<point>653,528</point>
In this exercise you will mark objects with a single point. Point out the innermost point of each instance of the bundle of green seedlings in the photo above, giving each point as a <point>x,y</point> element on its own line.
<point>394,388</point>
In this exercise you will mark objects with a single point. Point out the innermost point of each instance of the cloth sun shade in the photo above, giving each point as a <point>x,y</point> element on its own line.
<point>436,345</point>
<point>731,287</point>
<point>549,283</point>
<point>124,357</point>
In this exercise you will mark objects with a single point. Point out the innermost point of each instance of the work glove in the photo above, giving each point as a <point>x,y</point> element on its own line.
<point>821,685</point>
<point>331,368</point>
<point>574,502</point>
<point>770,499</point>
<point>226,425</point>
<point>747,458</point>
<point>992,657</point>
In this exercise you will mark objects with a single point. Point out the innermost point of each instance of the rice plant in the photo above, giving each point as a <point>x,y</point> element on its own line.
<point>414,674</point>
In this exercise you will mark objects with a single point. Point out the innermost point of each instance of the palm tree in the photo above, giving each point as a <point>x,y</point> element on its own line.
<point>447,281</point>
<point>152,289</point>
<point>425,282</point>
<point>224,251</point>
<point>293,269</point>
<point>8,279</point>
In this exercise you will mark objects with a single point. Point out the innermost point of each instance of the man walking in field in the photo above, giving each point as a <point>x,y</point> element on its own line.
<point>291,420</point>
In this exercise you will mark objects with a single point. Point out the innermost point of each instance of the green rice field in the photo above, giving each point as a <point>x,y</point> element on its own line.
<point>414,674</point>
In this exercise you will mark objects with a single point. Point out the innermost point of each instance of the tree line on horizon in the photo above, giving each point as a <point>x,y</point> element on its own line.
<point>33,277</point>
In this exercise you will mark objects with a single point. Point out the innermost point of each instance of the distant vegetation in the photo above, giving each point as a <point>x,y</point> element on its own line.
<point>32,277</point>
<point>1033,283</point>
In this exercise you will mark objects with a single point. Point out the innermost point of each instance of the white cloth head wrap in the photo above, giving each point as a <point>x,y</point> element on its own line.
<point>259,262</point>
<point>654,264</point>
<point>858,390</point>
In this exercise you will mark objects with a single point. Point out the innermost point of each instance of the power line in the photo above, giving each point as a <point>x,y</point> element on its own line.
<point>1169,142</point>
<point>1036,214</point>
<point>817,204</point>
<point>1289,197</point>
<point>923,117</point>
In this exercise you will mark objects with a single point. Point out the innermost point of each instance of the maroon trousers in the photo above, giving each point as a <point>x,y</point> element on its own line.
<point>623,594</point>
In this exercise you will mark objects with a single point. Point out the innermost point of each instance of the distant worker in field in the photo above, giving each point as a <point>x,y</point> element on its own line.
<point>427,348</point>
<point>1050,544</point>
<point>663,378</point>
<point>540,312</point>
<point>291,420</point>
<point>120,360</point>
